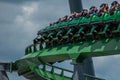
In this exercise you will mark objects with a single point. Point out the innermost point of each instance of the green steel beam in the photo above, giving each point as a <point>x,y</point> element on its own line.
<point>50,75</point>
<point>33,72</point>
<point>74,51</point>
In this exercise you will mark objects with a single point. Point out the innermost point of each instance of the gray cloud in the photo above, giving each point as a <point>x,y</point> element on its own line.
<point>17,1</point>
<point>88,3</point>
<point>107,67</point>
<point>19,25</point>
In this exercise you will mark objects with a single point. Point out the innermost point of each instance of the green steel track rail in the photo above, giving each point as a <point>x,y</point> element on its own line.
<point>93,48</point>
<point>42,73</point>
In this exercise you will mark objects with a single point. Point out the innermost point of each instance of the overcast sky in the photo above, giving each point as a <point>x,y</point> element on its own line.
<point>21,19</point>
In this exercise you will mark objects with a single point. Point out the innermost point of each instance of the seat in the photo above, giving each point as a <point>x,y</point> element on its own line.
<point>96,19</point>
<point>109,18</point>
<point>91,31</point>
<point>59,32</point>
<point>117,30</point>
<point>50,34</point>
<point>84,20</point>
<point>118,15</point>
<point>104,29</point>
<point>66,35</point>
<point>54,26</point>
<point>79,31</point>
<point>59,25</point>
<point>74,22</point>
<point>65,23</point>
<point>70,30</point>
<point>114,16</point>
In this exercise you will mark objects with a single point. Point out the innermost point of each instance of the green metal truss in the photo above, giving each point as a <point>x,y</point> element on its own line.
<point>33,71</point>
<point>37,73</point>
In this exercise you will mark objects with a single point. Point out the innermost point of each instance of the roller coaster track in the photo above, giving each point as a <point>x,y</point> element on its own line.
<point>78,47</point>
<point>41,73</point>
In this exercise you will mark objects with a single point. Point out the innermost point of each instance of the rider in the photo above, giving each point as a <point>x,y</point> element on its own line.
<point>103,9</point>
<point>106,7</point>
<point>114,6</point>
<point>85,13</point>
<point>93,11</point>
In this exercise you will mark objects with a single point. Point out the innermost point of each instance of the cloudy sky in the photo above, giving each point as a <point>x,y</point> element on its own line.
<point>21,19</point>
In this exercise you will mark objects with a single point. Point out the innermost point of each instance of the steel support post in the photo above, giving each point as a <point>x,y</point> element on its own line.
<point>3,68</point>
<point>87,66</point>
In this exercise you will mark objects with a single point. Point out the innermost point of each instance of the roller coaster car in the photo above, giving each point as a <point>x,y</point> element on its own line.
<point>83,29</point>
<point>77,30</point>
